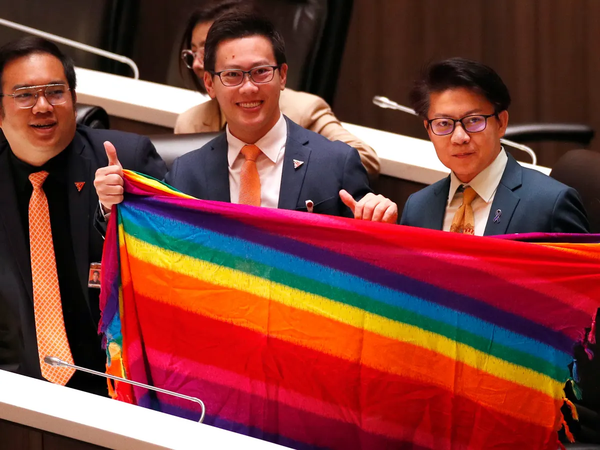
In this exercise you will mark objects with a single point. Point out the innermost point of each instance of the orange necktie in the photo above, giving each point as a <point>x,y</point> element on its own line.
<point>47,306</point>
<point>464,220</point>
<point>249,179</point>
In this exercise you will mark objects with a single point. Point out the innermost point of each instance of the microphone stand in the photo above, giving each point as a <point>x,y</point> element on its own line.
<point>75,44</point>
<point>56,362</point>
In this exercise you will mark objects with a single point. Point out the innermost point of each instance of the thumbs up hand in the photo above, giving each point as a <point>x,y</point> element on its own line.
<point>376,208</point>
<point>109,179</point>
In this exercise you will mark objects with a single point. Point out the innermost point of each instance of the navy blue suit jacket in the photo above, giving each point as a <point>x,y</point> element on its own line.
<point>18,345</point>
<point>327,168</point>
<point>529,200</point>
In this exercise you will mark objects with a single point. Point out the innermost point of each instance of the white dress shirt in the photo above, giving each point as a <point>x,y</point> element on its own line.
<point>485,185</point>
<point>269,163</point>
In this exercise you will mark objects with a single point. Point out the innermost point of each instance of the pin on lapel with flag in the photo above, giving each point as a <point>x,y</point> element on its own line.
<point>79,185</point>
<point>297,163</point>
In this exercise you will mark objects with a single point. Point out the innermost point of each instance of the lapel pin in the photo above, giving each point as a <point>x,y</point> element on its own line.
<point>309,205</point>
<point>79,185</point>
<point>497,216</point>
<point>297,163</point>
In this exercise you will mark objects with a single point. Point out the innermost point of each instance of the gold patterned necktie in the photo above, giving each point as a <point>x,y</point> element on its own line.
<point>49,321</point>
<point>464,220</point>
<point>249,179</point>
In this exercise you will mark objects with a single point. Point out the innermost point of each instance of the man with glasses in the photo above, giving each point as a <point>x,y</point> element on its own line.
<point>263,158</point>
<point>464,106</point>
<point>47,205</point>
<point>307,110</point>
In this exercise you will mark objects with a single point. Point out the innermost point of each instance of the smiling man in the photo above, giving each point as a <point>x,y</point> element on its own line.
<point>47,205</point>
<point>307,110</point>
<point>464,106</point>
<point>263,158</point>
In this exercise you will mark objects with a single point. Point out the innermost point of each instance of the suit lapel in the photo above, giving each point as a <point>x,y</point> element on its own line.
<point>80,207</point>
<point>434,219</point>
<point>506,200</point>
<point>216,169</point>
<point>292,178</point>
<point>10,219</point>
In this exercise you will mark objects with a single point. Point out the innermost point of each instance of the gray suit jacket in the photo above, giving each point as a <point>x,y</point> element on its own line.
<point>529,200</point>
<point>327,168</point>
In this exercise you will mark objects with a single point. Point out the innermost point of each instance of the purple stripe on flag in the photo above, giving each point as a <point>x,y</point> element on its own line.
<point>459,302</point>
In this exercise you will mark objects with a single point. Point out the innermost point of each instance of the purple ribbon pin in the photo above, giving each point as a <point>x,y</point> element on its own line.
<point>497,216</point>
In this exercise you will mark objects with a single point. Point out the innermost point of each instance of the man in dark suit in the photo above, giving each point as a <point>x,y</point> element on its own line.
<point>263,159</point>
<point>47,235</point>
<point>327,167</point>
<point>464,106</point>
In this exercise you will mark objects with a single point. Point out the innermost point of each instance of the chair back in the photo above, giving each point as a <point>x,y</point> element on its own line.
<point>92,116</point>
<point>315,34</point>
<point>580,169</point>
<point>562,132</point>
<point>172,146</point>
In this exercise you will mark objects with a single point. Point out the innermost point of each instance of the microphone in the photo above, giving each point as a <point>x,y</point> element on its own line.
<point>56,362</point>
<point>386,103</point>
<point>75,44</point>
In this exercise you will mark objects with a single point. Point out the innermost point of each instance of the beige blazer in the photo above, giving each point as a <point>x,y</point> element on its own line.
<point>307,110</point>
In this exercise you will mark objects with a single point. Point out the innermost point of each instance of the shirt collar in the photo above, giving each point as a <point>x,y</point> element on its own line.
<point>268,144</point>
<point>56,168</point>
<point>485,182</point>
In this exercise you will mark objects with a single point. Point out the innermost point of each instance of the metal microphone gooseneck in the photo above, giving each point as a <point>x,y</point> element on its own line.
<point>54,361</point>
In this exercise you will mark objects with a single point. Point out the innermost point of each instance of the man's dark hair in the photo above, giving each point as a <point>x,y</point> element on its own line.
<point>459,73</point>
<point>206,13</point>
<point>30,45</point>
<point>237,26</point>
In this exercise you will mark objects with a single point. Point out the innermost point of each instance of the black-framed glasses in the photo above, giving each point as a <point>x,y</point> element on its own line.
<point>471,124</point>
<point>235,77</point>
<point>188,57</point>
<point>26,97</point>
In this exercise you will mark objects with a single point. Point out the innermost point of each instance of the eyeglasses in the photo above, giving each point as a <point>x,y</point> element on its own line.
<point>235,77</point>
<point>471,124</point>
<point>26,97</point>
<point>189,56</point>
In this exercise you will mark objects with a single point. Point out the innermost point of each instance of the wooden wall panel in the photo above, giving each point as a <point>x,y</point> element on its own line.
<point>592,56</point>
<point>545,50</point>
<point>510,44</point>
<point>563,75</point>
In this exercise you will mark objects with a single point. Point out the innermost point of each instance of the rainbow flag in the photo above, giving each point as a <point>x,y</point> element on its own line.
<point>322,332</point>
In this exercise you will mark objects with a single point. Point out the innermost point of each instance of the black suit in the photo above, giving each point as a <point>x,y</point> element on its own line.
<point>18,346</point>
<point>326,168</point>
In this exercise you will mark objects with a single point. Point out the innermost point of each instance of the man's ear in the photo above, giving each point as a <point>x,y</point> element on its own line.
<point>208,84</point>
<point>503,122</point>
<point>1,108</point>
<point>75,102</point>
<point>283,75</point>
<point>425,124</point>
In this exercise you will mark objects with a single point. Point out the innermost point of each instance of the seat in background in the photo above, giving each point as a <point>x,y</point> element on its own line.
<point>580,169</point>
<point>172,146</point>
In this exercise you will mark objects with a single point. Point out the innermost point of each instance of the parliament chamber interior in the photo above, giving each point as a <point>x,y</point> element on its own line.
<point>490,343</point>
